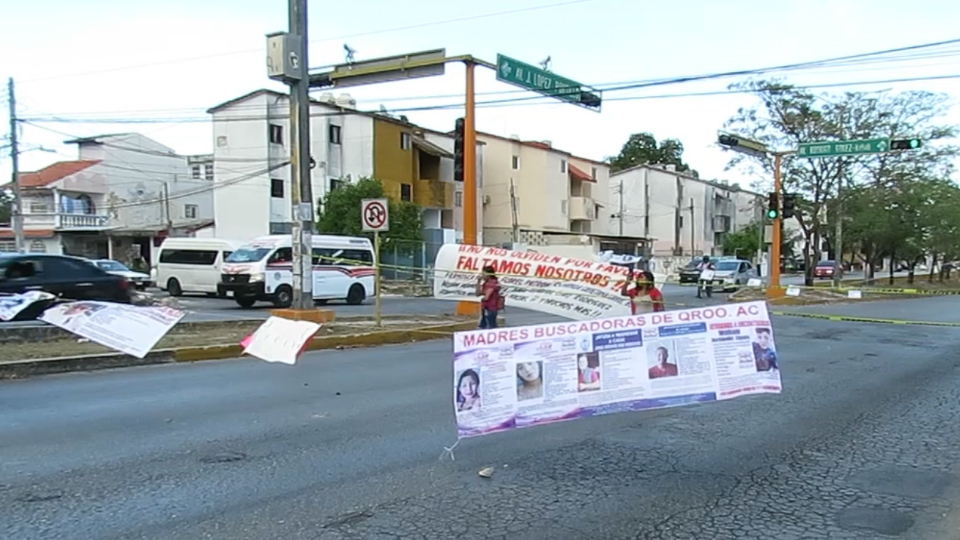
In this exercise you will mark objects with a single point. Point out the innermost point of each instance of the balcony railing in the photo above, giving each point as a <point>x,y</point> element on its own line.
<point>583,208</point>
<point>65,221</point>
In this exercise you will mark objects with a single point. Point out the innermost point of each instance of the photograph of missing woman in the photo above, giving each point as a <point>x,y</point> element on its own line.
<point>529,380</point>
<point>764,355</point>
<point>588,372</point>
<point>662,361</point>
<point>468,390</point>
<point>77,313</point>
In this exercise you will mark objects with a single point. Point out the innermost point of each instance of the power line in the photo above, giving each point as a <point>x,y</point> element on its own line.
<point>913,53</point>
<point>336,38</point>
<point>36,121</point>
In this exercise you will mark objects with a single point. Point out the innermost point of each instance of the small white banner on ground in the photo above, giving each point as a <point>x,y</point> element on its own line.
<point>133,330</point>
<point>280,340</point>
<point>754,282</point>
<point>793,291</point>
<point>530,375</point>
<point>573,288</point>
<point>13,304</point>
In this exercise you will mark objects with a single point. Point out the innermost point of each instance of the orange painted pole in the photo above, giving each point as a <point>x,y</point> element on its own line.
<point>469,179</point>
<point>773,287</point>
<point>470,162</point>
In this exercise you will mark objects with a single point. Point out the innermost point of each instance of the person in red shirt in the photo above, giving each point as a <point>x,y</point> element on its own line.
<point>488,288</point>
<point>644,296</point>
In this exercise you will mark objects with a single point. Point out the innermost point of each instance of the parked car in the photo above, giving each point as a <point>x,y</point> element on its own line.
<point>732,273</point>
<point>824,270</point>
<point>139,279</point>
<point>70,278</point>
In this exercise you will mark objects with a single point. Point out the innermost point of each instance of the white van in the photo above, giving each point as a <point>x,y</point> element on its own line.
<point>192,265</point>
<point>263,270</point>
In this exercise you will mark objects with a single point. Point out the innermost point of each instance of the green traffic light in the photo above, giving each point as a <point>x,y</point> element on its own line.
<point>914,143</point>
<point>772,214</point>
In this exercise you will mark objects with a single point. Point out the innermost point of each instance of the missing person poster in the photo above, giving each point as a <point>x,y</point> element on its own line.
<point>518,377</point>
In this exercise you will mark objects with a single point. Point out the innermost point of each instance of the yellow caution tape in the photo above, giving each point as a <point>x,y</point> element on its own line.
<point>850,318</point>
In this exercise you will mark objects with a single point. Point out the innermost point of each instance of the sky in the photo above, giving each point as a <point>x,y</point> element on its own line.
<point>167,62</point>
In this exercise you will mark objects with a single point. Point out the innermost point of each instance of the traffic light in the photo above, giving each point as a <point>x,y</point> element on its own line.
<point>773,205</point>
<point>906,144</point>
<point>789,205</point>
<point>590,100</point>
<point>742,144</point>
<point>458,151</point>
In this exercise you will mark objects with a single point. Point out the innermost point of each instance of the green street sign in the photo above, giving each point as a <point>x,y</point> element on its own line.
<point>528,77</point>
<point>843,148</point>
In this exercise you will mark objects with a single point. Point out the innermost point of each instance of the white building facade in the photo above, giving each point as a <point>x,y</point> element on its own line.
<point>119,199</point>
<point>683,216</point>
<point>546,199</point>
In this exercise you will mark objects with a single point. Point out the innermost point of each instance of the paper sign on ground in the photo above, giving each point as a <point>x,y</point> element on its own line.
<point>280,340</point>
<point>855,294</point>
<point>754,282</point>
<point>524,376</point>
<point>13,304</point>
<point>133,330</point>
<point>793,291</point>
<point>572,288</point>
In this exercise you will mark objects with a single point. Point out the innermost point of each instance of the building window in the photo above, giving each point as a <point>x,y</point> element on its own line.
<point>458,199</point>
<point>563,165</point>
<point>208,172</point>
<point>593,173</point>
<point>196,172</point>
<point>190,211</point>
<point>276,134</point>
<point>516,163</point>
<point>37,246</point>
<point>39,207</point>
<point>276,188</point>
<point>406,192</point>
<point>8,246</point>
<point>404,141</point>
<point>335,134</point>
<point>335,184</point>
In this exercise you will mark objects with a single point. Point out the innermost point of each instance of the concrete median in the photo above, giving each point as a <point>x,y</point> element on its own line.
<point>31,367</point>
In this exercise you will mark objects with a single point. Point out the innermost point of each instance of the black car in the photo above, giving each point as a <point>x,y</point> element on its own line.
<point>69,278</point>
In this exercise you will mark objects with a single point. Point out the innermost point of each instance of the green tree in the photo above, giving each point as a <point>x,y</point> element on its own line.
<point>340,214</point>
<point>642,148</point>
<point>743,243</point>
<point>788,116</point>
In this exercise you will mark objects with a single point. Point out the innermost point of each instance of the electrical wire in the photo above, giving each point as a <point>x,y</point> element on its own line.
<point>35,121</point>
<point>324,40</point>
<point>909,53</point>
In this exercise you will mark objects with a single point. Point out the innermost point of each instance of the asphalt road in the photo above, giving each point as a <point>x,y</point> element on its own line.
<point>345,445</point>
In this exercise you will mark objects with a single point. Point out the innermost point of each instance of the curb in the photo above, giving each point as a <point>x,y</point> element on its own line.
<point>47,366</point>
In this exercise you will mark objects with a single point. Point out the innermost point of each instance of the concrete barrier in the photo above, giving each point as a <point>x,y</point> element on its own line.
<point>45,366</point>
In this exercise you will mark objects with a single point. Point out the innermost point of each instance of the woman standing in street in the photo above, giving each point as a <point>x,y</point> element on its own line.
<point>644,296</point>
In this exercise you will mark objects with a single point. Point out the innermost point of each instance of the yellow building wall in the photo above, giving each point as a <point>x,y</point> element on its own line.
<point>392,165</point>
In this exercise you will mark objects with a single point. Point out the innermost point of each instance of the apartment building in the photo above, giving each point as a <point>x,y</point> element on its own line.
<point>122,195</point>
<point>546,198</point>
<point>683,216</point>
<point>252,149</point>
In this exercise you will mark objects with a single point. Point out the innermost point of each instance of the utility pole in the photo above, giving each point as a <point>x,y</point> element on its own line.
<point>693,230</point>
<point>513,212</point>
<point>646,206</point>
<point>301,189</point>
<point>678,218</point>
<point>838,240</point>
<point>17,213</point>
<point>773,285</point>
<point>620,214</point>
<point>166,208</point>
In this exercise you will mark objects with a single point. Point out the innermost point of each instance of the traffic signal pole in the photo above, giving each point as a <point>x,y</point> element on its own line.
<point>470,160</point>
<point>773,285</point>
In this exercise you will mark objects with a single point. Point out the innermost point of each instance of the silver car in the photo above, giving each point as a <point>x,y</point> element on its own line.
<point>732,273</point>
<point>140,280</point>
